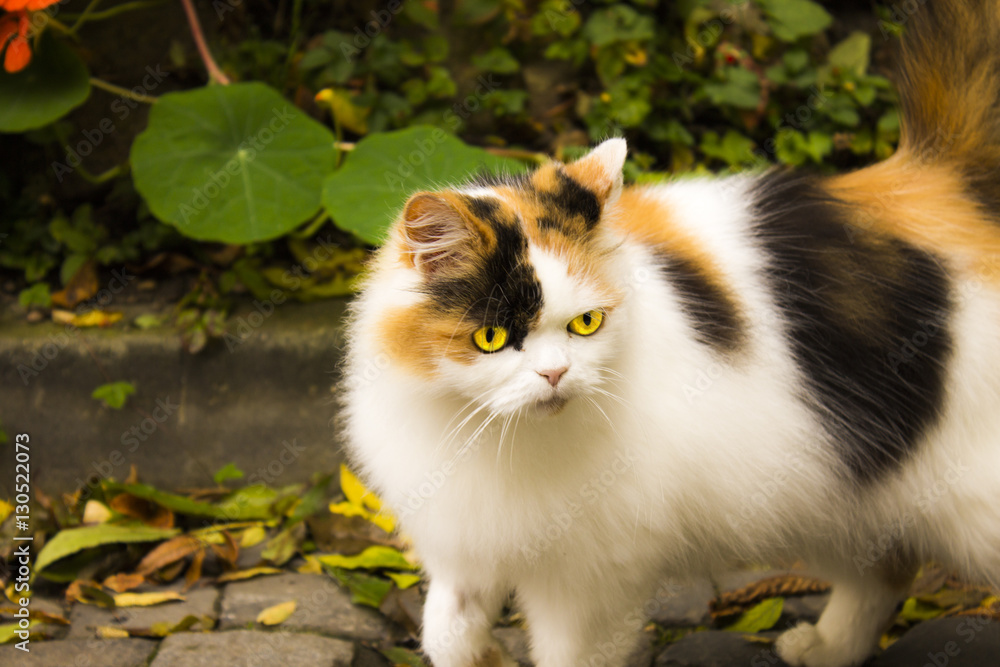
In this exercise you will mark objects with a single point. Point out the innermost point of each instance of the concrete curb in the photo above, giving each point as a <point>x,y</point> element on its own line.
<point>261,398</point>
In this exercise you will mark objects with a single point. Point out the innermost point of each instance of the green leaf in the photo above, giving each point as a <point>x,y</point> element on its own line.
<point>71,540</point>
<point>36,296</point>
<point>236,164</point>
<point>226,473</point>
<point>365,589</point>
<point>404,580</point>
<point>497,59</point>
<point>372,558</point>
<point>734,149</point>
<point>7,632</point>
<point>618,23</point>
<point>792,19</point>
<point>401,656</point>
<point>55,82</point>
<point>114,394</point>
<point>759,618</point>
<point>740,88</point>
<point>852,54</point>
<point>365,195</point>
<point>148,321</point>
<point>247,503</point>
<point>915,610</point>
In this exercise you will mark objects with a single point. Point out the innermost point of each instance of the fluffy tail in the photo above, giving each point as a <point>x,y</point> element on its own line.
<point>949,86</point>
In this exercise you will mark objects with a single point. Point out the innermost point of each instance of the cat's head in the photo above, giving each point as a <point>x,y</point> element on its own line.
<point>505,291</point>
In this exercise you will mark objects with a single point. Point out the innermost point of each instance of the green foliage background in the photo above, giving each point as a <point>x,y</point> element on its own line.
<point>695,85</point>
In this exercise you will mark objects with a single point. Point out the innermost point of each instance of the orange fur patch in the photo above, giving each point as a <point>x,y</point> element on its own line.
<point>925,205</point>
<point>417,336</point>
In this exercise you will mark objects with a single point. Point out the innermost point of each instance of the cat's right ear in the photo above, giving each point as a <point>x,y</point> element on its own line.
<point>438,235</point>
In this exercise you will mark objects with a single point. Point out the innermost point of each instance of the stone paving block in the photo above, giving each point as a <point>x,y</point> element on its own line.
<point>248,648</point>
<point>199,602</point>
<point>80,653</point>
<point>804,608</point>
<point>717,648</point>
<point>322,606</point>
<point>959,641</point>
<point>682,603</point>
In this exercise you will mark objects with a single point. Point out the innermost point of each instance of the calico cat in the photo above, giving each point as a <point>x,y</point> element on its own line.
<point>566,388</point>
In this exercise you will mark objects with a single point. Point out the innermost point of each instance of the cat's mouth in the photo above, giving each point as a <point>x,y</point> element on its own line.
<point>552,405</point>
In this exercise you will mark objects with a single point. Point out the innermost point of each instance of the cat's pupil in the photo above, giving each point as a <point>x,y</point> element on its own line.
<point>489,335</point>
<point>586,319</point>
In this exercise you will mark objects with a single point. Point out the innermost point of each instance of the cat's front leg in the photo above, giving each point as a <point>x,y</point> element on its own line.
<point>458,618</point>
<point>849,628</point>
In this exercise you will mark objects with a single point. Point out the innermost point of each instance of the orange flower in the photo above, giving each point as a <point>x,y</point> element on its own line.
<point>29,5</point>
<point>14,35</point>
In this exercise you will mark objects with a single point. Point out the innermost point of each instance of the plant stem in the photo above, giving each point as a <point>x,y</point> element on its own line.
<point>312,226</point>
<point>294,31</point>
<point>108,13</point>
<point>124,92</point>
<point>214,73</point>
<point>82,18</point>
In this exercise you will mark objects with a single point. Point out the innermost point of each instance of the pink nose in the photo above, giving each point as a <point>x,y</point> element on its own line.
<point>553,375</point>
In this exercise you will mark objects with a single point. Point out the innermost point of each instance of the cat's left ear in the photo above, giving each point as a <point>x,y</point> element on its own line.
<point>600,170</point>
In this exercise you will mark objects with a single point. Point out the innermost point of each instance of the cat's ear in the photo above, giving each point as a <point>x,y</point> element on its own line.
<point>438,236</point>
<point>600,170</point>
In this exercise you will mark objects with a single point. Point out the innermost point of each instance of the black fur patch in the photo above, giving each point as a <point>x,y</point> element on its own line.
<point>868,323</point>
<point>711,312</point>
<point>571,201</point>
<point>500,288</point>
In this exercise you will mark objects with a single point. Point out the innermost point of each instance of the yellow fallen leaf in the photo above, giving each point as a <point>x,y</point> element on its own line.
<point>5,510</point>
<point>311,566</point>
<point>239,575</point>
<point>146,599</point>
<point>383,520</point>
<point>404,580</point>
<point>95,512</point>
<point>252,536</point>
<point>92,318</point>
<point>276,614</point>
<point>111,632</point>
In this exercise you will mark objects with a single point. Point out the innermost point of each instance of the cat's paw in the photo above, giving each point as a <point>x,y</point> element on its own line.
<point>804,646</point>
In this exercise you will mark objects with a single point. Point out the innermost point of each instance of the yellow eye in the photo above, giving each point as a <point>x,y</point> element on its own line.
<point>587,323</point>
<point>490,339</point>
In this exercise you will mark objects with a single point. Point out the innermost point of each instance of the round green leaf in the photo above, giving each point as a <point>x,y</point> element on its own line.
<point>235,163</point>
<point>55,82</point>
<point>365,195</point>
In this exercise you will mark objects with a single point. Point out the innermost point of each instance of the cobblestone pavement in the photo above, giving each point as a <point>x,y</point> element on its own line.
<point>327,630</point>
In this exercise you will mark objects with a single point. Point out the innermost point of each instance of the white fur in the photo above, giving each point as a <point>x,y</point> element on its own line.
<point>664,460</point>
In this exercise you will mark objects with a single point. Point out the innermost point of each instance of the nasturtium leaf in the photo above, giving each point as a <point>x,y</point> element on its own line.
<point>367,192</point>
<point>792,19</point>
<point>51,86</point>
<point>236,164</point>
<point>114,394</point>
<point>372,558</point>
<point>852,54</point>
<point>759,618</point>
<point>72,540</point>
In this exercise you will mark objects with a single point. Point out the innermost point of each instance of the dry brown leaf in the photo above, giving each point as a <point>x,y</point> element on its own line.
<point>169,552</point>
<point>193,573</point>
<point>88,592</point>
<point>276,614</point>
<point>146,599</point>
<point>133,475</point>
<point>405,608</point>
<point>80,287</point>
<point>738,601</point>
<point>119,583</point>
<point>111,632</point>
<point>170,572</point>
<point>228,551</point>
<point>150,513</point>
<point>240,575</point>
